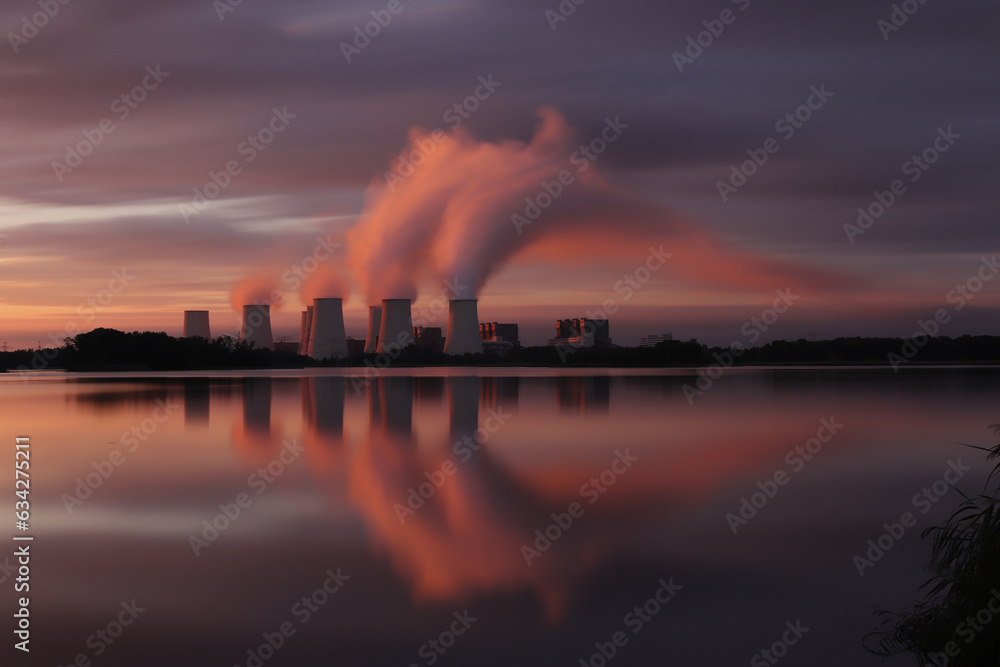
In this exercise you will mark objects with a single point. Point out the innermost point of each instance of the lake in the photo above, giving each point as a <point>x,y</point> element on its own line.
<point>483,516</point>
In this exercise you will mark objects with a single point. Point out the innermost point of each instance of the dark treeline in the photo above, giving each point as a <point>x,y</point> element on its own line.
<point>897,351</point>
<point>109,349</point>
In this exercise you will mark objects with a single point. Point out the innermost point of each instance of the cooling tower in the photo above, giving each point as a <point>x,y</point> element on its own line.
<point>463,328</point>
<point>309,324</point>
<point>396,328</point>
<point>374,323</point>
<point>302,334</point>
<point>256,326</point>
<point>196,324</point>
<point>326,337</point>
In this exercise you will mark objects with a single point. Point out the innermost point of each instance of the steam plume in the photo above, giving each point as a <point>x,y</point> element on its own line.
<point>462,214</point>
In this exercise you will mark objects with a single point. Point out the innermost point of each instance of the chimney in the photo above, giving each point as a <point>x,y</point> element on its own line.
<point>309,324</point>
<point>302,334</point>
<point>326,337</point>
<point>196,324</point>
<point>374,322</point>
<point>463,327</point>
<point>396,328</point>
<point>256,326</point>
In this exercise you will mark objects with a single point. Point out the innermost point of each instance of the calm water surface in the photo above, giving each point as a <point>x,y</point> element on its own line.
<point>402,521</point>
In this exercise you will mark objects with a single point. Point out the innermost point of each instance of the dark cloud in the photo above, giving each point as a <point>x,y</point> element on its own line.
<point>607,59</point>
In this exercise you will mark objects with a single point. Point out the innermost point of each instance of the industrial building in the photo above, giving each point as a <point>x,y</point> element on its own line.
<point>428,338</point>
<point>653,339</point>
<point>355,347</point>
<point>496,333</point>
<point>582,332</point>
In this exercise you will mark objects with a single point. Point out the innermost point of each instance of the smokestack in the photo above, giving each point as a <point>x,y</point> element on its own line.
<point>463,327</point>
<point>396,328</point>
<point>309,324</point>
<point>374,323</point>
<point>256,326</point>
<point>327,338</point>
<point>302,334</point>
<point>196,324</point>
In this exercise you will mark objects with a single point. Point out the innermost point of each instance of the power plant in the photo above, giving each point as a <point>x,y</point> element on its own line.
<point>256,326</point>
<point>196,324</point>
<point>463,328</point>
<point>327,338</point>
<point>374,323</point>
<point>322,331</point>
<point>396,329</point>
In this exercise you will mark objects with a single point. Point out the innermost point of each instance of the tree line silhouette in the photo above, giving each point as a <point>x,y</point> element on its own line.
<point>110,349</point>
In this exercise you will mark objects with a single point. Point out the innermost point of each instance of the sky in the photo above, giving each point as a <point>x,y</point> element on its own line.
<point>118,119</point>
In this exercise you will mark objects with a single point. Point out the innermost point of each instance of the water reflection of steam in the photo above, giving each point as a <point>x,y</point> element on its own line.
<point>466,536</point>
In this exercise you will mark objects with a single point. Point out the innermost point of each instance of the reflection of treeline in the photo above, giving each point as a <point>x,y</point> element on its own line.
<point>104,348</point>
<point>958,621</point>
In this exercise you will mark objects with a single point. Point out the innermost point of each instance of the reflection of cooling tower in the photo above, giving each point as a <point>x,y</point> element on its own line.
<point>327,338</point>
<point>323,405</point>
<point>256,326</point>
<point>463,328</point>
<point>196,324</point>
<point>197,400</point>
<point>463,406</point>
<point>396,328</point>
<point>396,398</point>
<point>302,334</point>
<point>257,405</point>
<point>374,323</point>
<point>309,324</point>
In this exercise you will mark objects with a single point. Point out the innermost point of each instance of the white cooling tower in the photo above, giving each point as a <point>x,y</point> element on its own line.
<point>327,338</point>
<point>309,325</point>
<point>256,326</point>
<point>302,334</point>
<point>374,323</point>
<point>196,324</point>
<point>463,328</point>
<point>396,329</point>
